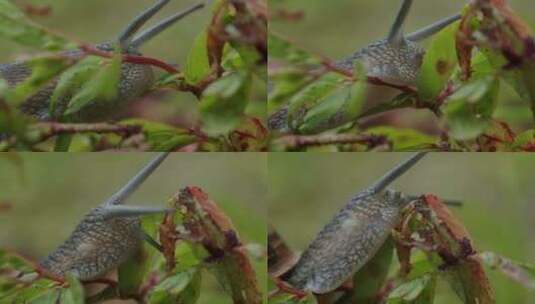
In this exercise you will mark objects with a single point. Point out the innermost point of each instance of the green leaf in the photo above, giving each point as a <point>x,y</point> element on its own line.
<point>341,107</point>
<point>103,87</point>
<point>198,64</point>
<point>524,138</point>
<point>74,294</point>
<point>224,102</point>
<point>63,142</point>
<point>528,77</point>
<point>284,84</point>
<point>132,272</point>
<point>410,292</point>
<point>16,27</point>
<point>469,111</point>
<point>182,287</point>
<point>369,280</point>
<point>312,95</point>
<point>163,137</point>
<point>404,139</point>
<point>70,83</point>
<point>439,63</point>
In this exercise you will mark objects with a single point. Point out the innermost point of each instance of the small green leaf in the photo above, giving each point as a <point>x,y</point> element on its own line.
<point>469,110</point>
<point>198,64</point>
<point>63,142</point>
<point>224,102</point>
<point>71,82</point>
<point>337,109</point>
<point>103,87</point>
<point>404,139</point>
<point>182,287</point>
<point>74,294</point>
<point>163,137</point>
<point>411,290</point>
<point>132,272</point>
<point>369,280</point>
<point>312,95</point>
<point>439,63</point>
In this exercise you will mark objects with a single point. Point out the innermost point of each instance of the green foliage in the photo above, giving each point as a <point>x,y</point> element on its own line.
<point>146,275</point>
<point>198,65</point>
<point>439,63</point>
<point>183,287</point>
<point>223,103</point>
<point>370,279</point>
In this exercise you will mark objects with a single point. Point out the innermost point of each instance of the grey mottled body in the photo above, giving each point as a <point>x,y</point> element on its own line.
<point>352,237</point>
<point>135,79</point>
<point>97,246</point>
<point>348,241</point>
<point>396,64</point>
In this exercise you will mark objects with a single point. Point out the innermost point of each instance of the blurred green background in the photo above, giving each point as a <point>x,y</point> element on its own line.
<point>51,192</point>
<point>337,28</point>
<point>306,190</point>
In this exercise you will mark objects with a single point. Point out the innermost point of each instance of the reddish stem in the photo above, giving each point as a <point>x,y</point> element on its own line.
<point>88,49</point>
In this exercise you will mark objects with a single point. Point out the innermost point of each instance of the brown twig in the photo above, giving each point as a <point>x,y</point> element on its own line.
<point>291,142</point>
<point>50,129</point>
<point>91,50</point>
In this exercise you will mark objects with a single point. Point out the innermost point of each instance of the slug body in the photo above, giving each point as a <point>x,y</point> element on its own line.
<point>396,64</point>
<point>135,79</point>
<point>348,241</point>
<point>106,237</point>
<point>97,246</point>
<point>352,237</point>
<point>396,59</point>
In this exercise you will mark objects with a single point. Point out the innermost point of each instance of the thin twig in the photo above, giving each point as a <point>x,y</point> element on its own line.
<point>291,142</point>
<point>88,49</point>
<point>50,129</point>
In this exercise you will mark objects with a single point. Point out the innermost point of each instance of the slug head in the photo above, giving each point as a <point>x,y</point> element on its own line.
<point>397,58</point>
<point>394,63</point>
<point>397,199</point>
<point>130,43</point>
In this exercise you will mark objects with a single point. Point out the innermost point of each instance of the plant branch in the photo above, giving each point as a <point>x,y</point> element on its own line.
<point>91,50</point>
<point>292,142</point>
<point>48,130</point>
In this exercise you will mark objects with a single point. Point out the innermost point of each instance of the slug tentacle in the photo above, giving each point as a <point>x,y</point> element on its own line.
<point>163,25</point>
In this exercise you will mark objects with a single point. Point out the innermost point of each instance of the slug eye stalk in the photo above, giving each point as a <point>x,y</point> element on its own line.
<point>395,36</point>
<point>123,193</point>
<point>432,29</point>
<point>126,37</point>
<point>395,173</point>
<point>163,25</point>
